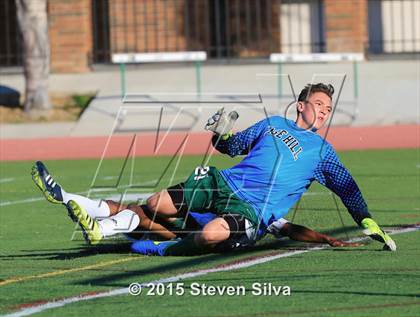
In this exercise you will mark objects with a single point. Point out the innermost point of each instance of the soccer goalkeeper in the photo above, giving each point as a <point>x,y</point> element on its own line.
<point>282,159</point>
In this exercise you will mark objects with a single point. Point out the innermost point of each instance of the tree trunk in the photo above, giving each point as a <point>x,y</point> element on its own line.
<point>33,23</point>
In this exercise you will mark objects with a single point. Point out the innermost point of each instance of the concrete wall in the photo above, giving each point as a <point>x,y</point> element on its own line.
<point>388,93</point>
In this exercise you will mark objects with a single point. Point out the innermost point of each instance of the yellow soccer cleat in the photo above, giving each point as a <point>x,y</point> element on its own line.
<point>90,227</point>
<point>372,230</point>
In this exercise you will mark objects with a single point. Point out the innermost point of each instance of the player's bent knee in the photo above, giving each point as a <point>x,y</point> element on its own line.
<point>145,221</point>
<point>115,207</point>
<point>161,203</point>
<point>214,233</point>
<point>213,237</point>
<point>138,210</point>
<point>132,206</point>
<point>153,202</point>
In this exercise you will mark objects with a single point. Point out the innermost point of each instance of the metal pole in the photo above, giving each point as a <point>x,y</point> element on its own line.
<point>198,77</point>
<point>356,80</point>
<point>122,76</point>
<point>279,80</point>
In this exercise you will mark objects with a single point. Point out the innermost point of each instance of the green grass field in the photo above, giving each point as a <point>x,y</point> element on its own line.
<point>42,261</point>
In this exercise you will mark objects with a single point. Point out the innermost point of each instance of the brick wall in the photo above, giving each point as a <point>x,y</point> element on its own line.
<point>346,25</point>
<point>132,30</point>
<point>71,28</point>
<point>161,25</point>
<point>70,31</point>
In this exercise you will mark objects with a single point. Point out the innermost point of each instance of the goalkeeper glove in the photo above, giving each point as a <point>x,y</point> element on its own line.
<point>372,229</point>
<point>221,123</point>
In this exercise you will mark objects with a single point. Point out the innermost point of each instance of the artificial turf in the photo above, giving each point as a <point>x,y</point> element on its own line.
<point>38,238</point>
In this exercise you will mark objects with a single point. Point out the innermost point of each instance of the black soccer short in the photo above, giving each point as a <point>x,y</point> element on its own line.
<point>242,233</point>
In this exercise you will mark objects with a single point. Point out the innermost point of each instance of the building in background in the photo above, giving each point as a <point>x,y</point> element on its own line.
<point>87,32</point>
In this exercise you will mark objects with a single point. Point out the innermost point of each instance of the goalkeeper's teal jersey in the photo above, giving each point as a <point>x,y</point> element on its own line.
<point>281,162</point>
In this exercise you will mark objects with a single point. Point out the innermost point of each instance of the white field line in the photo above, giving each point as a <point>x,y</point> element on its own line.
<point>29,200</point>
<point>122,291</point>
<point>107,178</point>
<point>6,180</point>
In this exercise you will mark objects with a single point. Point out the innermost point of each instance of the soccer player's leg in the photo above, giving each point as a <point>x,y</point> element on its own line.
<point>198,194</point>
<point>150,224</point>
<point>195,194</point>
<point>180,227</point>
<point>95,230</point>
<point>216,231</point>
<point>222,234</point>
<point>84,210</point>
<point>158,214</point>
<point>169,228</point>
<point>89,226</point>
<point>55,193</point>
<point>168,202</point>
<point>45,182</point>
<point>243,234</point>
<point>133,220</point>
<point>116,217</point>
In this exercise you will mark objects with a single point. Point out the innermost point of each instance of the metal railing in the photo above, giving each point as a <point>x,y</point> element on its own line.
<point>394,26</point>
<point>100,31</point>
<point>221,28</point>
<point>10,39</point>
<point>302,26</point>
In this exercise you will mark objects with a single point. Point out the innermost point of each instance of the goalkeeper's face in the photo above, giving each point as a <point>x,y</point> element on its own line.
<point>315,111</point>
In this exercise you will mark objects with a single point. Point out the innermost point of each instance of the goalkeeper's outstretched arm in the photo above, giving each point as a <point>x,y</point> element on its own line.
<point>304,234</point>
<point>332,174</point>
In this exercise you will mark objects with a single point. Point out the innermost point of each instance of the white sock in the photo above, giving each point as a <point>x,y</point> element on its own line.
<point>123,222</point>
<point>95,208</point>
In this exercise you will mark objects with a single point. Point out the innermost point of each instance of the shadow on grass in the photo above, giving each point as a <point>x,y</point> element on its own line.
<point>168,264</point>
<point>266,248</point>
<point>71,253</point>
<point>123,247</point>
<point>172,265</point>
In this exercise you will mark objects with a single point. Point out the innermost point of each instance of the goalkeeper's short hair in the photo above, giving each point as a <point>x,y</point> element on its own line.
<point>312,88</point>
